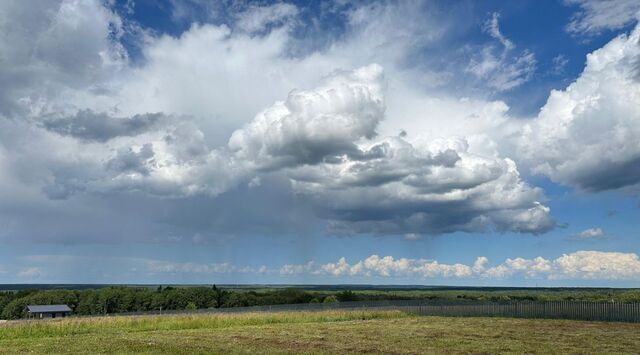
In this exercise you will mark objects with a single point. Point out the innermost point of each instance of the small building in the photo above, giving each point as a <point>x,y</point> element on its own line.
<point>48,311</point>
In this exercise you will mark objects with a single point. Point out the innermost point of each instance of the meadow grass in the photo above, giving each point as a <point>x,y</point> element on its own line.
<point>118,324</point>
<point>316,332</point>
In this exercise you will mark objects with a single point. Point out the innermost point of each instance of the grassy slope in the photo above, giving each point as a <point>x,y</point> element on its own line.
<point>331,331</point>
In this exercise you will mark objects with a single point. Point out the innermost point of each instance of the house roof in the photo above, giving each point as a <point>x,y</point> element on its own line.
<point>48,308</point>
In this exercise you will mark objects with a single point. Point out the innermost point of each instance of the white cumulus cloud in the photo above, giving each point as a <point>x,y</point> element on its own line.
<point>314,125</point>
<point>394,187</point>
<point>579,265</point>
<point>588,135</point>
<point>591,233</point>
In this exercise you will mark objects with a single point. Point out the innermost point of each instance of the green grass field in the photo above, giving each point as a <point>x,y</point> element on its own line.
<point>316,332</point>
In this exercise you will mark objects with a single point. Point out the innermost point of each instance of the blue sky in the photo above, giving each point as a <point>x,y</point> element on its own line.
<point>427,142</point>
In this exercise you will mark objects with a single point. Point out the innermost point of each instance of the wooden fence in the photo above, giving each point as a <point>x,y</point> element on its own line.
<point>578,310</point>
<point>592,311</point>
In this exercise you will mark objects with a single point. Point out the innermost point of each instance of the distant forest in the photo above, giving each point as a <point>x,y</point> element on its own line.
<point>123,299</point>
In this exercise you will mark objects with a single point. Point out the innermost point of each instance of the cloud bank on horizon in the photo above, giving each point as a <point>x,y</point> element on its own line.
<point>580,265</point>
<point>115,132</point>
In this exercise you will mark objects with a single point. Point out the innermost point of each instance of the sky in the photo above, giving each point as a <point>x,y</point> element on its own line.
<point>326,142</point>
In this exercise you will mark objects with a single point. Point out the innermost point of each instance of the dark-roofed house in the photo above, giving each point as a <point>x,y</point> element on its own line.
<point>48,311</point>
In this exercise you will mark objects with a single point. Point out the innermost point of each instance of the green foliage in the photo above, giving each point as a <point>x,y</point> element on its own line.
<point>347,296</point>
<point>14,309</point>
<point>220,296</point>
<point>121,299</point>
<point>330,299</point>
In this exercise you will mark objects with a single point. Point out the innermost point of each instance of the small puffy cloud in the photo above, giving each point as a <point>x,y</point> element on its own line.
<point>591,233</point>
<point>530,268</point>
<point>434,269</point>
<point>337,269</point>
<point>595,16</point>
<point>587,134</point>
<point>480,264</point>
<point>412,236</point>
<point>311,126</point>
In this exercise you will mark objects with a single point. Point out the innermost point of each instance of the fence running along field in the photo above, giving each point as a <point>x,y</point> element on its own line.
<point>576,310</point>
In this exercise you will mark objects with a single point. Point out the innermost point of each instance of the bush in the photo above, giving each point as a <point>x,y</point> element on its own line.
<point>330,299</point>
<point>14,309</point>
<point>347,296</point>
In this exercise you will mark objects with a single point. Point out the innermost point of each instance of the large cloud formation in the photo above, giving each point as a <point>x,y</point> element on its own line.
<point>176,134</point>
<point>49,47</point>
<point>385,185</point>
<point>579,265</point>
<point>588,135</point>
<point>396,187</point>
<point>311,126</point>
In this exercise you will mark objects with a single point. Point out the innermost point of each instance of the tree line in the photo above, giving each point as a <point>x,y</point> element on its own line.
<point>121,299</point>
